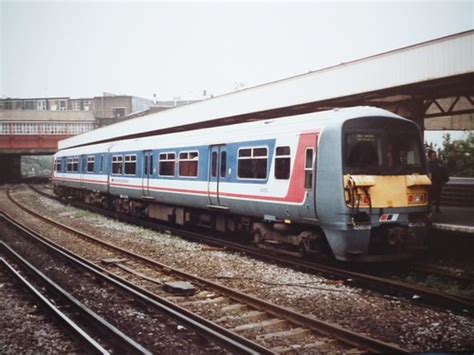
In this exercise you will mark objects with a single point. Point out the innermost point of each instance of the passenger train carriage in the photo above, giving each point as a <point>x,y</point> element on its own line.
<point>352,179</point>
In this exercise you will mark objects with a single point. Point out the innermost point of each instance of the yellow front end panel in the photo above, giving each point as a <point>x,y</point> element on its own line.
<point>386,191</point>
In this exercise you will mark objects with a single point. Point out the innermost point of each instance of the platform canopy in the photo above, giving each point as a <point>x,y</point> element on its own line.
<point>423,73</point>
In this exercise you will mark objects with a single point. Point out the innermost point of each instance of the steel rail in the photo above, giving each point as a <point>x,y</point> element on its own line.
<point>419,293</point>
<point>414,292</point>
<point>319,326</point>
<point>226,338</point>
<point>74,330</point>
<point>120,340</point>
<point>442,272</point>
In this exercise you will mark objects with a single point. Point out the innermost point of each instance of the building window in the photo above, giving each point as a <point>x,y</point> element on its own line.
<point>90,164</point>
<point>188,164</point>
<point>308,169</point>
<point>29,105</point>
<point>252,163</point>
<point>130,164</point>
<point>118,112</point>
<point>53,105</point>
<point>62,105</point>
<point>167,164</point>
<point>117,164</point>
<point>41,105</point>
<point>282,163</point>
<point>76,105</point>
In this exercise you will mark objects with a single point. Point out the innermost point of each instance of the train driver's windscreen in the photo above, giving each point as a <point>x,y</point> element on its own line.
<point>382,147</point>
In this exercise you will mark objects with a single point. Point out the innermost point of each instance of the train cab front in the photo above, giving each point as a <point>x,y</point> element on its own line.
<point>385,188</point>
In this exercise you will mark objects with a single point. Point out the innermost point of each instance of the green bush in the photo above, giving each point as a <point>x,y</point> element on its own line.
<point>458,155</point>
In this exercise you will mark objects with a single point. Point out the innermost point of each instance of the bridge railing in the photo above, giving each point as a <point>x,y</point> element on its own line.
<point>40,128</point>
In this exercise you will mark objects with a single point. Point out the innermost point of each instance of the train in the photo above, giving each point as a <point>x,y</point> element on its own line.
<point>348,182</point>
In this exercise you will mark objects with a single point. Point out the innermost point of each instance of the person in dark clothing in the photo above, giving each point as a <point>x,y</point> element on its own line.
<point>439,176</point>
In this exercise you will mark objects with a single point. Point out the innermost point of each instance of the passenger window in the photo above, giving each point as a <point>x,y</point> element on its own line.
<point>130,164</point>
<point>117,164</point>
<point>188,164</point>
<point>69,165</point>
<point>252,163</point>
<point>75,165</point>
<point>90,164</point>
<point>148,164</point>
<point>57,165</point>
<point>282,163</point>
<point>214,164</point>
<point>145,165</point>
<point>167,164</point>
<point>308,169</point>
<point>223,163</point>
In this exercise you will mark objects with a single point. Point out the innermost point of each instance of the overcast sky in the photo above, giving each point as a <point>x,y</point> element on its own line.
<point>81,49</point>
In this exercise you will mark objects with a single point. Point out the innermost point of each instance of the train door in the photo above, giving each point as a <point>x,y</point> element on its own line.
<point>309,144</point>
<point>217,174</point>
<point>82,170</point>
<point>147,172</point>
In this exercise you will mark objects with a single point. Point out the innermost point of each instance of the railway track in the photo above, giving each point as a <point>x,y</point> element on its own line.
<point>83,340</point>
<point>275,328</point>
<point>135,300</point>
<point>448,272</point>
<point>453,274</point>
<point>446,279</point>
<point>415,293</point>
<point>110,338</point>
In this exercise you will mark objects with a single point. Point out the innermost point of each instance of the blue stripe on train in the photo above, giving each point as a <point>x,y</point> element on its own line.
<point>104,160</point>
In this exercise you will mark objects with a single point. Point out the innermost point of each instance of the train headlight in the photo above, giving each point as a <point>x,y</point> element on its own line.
<point>363,200</point>
<point>416,199</point>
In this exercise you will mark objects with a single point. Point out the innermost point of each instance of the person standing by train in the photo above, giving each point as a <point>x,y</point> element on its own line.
<point>439,176</point>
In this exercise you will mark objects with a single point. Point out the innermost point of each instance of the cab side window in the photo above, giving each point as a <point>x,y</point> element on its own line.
<point>308,168</point>
<point>282,163</point>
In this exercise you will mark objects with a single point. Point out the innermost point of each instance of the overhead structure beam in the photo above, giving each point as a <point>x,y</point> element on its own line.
<point>405,77</point>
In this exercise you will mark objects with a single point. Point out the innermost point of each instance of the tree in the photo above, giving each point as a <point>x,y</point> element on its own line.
<point>458,155</point>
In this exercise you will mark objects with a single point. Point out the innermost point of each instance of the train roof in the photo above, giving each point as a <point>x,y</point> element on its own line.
<point>262,129</point>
